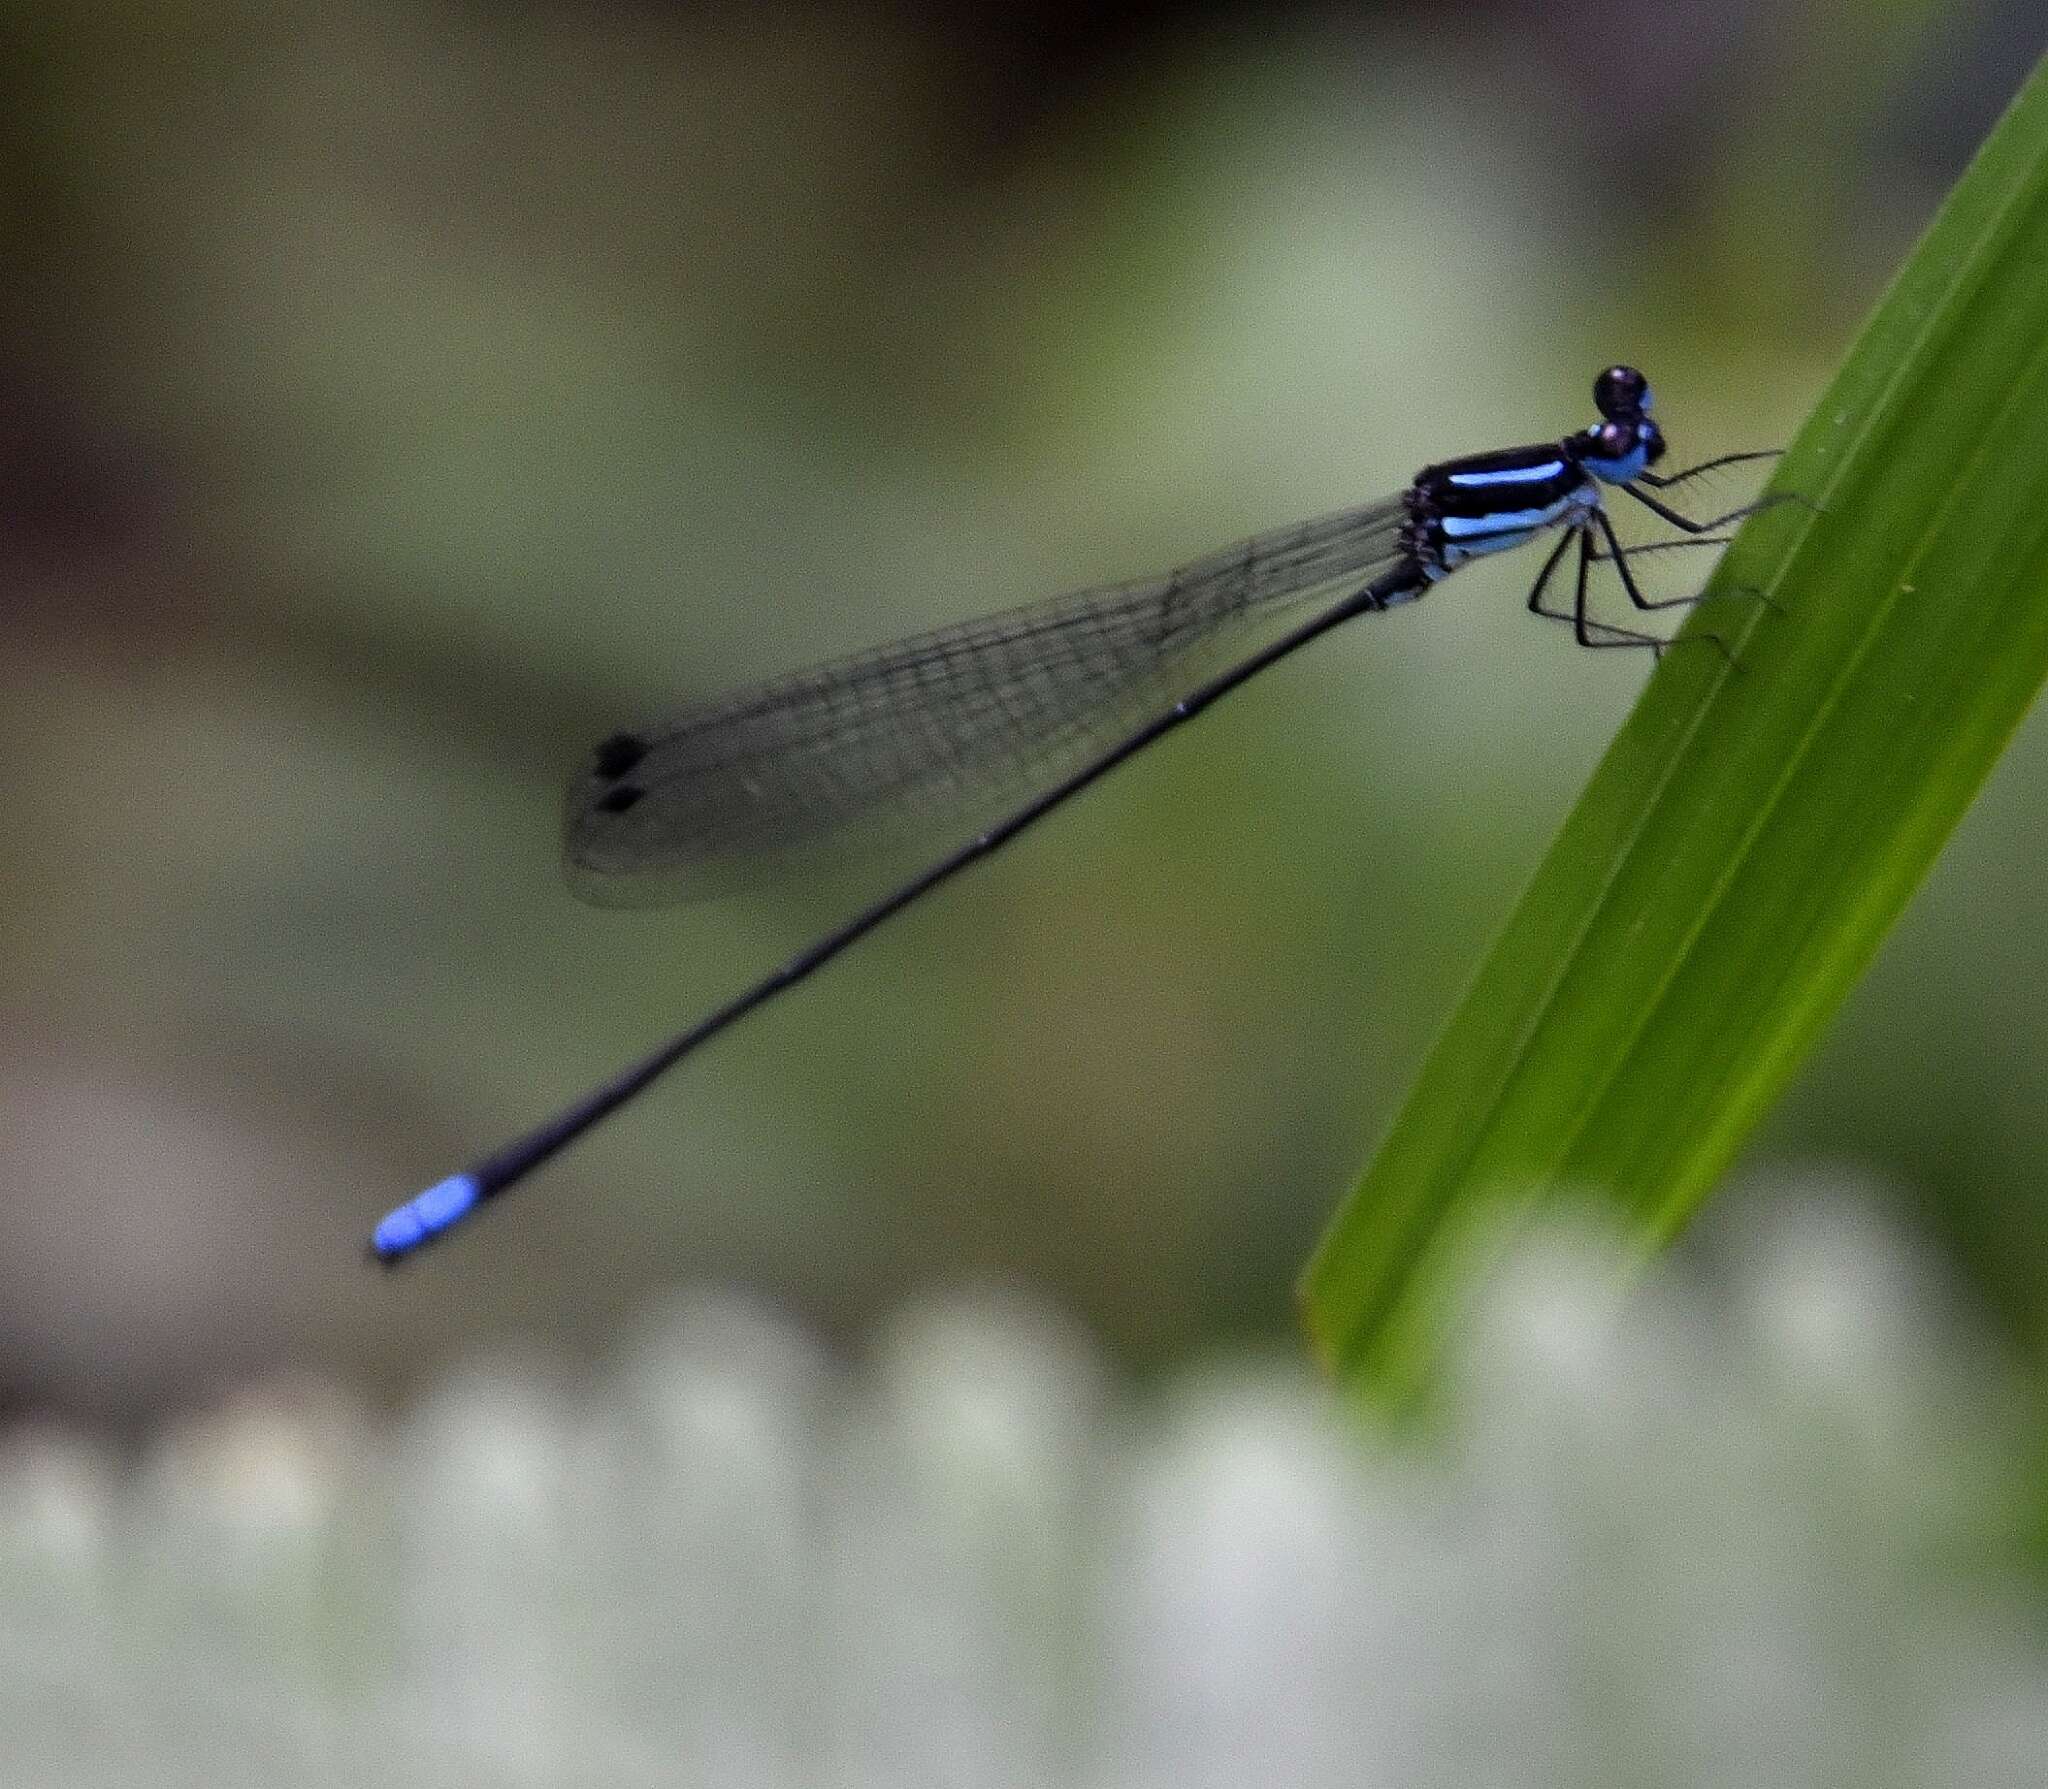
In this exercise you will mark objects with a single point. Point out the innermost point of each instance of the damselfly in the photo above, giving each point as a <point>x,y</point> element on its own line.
<point>1045,700</point>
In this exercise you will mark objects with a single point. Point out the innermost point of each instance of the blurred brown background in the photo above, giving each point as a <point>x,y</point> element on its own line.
<point>394,398</point>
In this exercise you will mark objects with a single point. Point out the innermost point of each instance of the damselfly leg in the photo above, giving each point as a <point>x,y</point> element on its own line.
<point>1671,480</point>
<point>1585,629</point>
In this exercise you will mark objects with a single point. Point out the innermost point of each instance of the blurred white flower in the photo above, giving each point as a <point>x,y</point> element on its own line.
<point>1663,1531</point>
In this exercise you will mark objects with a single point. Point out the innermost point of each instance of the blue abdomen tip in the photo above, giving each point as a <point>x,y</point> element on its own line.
<point>424,1217</point>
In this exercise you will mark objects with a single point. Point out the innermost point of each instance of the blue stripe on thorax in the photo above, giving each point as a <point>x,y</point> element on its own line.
<point>1466,537</point>
<point>1508,475</point>
<point>1619,472</point>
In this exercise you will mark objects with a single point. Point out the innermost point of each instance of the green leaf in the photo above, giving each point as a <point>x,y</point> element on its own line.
<point>1755,828</point>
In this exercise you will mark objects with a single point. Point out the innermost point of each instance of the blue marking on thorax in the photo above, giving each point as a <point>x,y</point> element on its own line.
<point>425,1216</point>
<point>1619,472</point>
<point>1466,537</point>
<point>1510,475</point>
<point>1471,530</point>
<point>1456,552</point>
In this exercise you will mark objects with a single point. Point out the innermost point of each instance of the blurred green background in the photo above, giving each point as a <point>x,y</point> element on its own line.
<point>396,398</point>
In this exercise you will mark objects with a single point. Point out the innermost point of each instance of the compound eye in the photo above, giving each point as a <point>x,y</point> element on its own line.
<point>1620,391</point>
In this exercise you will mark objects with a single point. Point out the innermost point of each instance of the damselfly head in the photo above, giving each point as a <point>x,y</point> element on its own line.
<point>1617,450</point>
<point>1621,394</point>
<point>1625,440</point>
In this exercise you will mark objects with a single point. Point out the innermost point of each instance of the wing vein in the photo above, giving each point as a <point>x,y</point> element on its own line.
<point>944,725</point>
